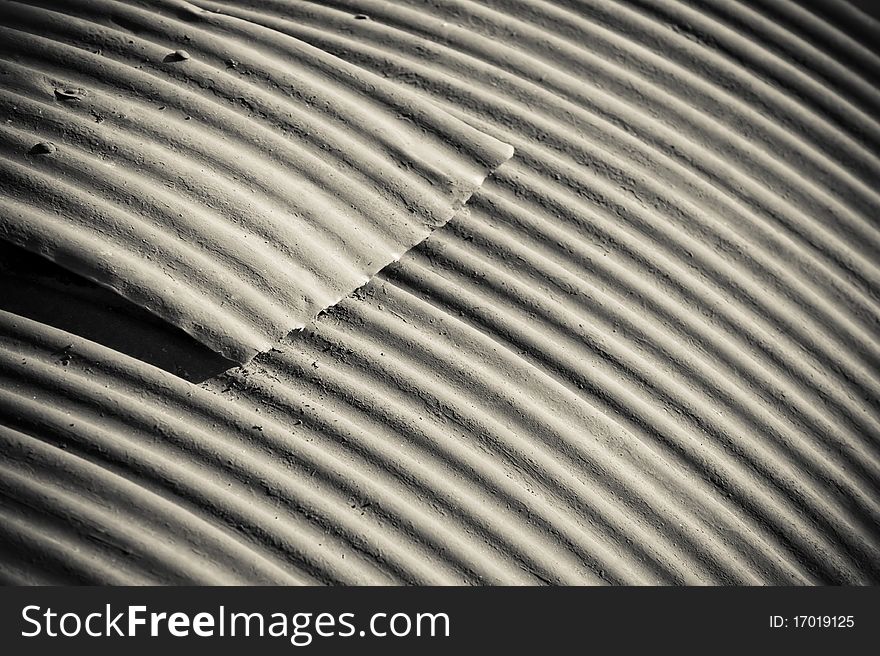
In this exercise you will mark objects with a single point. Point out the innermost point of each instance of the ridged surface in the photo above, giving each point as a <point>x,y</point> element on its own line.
<point>35,287</point>
<point>231,179</point>
<point>647,353</point>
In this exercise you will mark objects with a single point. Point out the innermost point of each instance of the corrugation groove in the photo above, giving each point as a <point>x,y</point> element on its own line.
<point>646,351</point>
<point>152,186</point>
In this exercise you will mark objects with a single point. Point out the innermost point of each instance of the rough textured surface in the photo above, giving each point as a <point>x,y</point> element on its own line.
<point>235,188</point>
<point>647,353</point>
<point>685,243</point>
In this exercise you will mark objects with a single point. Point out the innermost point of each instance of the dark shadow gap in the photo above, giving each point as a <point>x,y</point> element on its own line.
<point>35,287</point>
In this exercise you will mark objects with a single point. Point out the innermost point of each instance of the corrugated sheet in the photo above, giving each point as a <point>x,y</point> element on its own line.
<point>684,245</point>
<point>648,353</point>
<point>231,179</point>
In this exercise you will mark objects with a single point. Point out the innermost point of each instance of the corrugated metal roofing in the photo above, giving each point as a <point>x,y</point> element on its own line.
<point>647,353</point>
<point>231,179</point>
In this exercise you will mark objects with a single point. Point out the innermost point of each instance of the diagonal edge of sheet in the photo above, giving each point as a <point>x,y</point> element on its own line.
<point>233,180</point>
<point>34,287</point>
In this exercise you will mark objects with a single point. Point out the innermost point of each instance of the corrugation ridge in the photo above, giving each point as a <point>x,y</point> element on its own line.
<point>779,72</point>
<point>775,28</point>
<point>128,423</point>
<point>34,225</point>
<point>756,314</point>
<point>680,146</point>
<point>98,446</point>
<point>325,134</point>
<point>517,541</point>
<point>350,466</point>
<point>44,554</point>
<point>675,266</point>
<point>117,542</point>
<point>84,167</point>
<point>264,231</point>
<point>628,220</point>
<point>846,20</point>
<point>647,40</point>
<point>108,439</point>
<point>417,286</point>
<point>214,553</point>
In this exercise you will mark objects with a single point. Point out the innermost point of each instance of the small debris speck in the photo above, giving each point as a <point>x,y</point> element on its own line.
<point>176,56</point>
<point>43,148</point>
<point>68,95</point>
<point>361,17</point>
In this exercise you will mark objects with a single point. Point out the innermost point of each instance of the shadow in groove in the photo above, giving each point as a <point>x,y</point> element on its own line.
<point>35,287</point>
